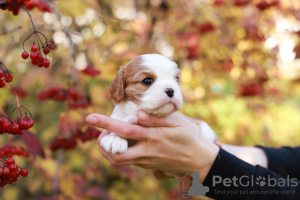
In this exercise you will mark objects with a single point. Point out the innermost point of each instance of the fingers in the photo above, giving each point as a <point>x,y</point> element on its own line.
<point>103,133</point>
<point>118,127</point>
<point>115,163</point>
<point>148,120</point>
<point>132,153</point>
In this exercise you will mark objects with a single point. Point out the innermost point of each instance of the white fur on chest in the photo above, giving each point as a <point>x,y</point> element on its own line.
<point>124,109</point>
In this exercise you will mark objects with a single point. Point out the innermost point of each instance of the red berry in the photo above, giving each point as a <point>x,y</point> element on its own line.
<point>6,125</point>
<point>34,48</point>
<point>46,63</point>
<point>1,73</point>
<point>13,167</point>
<point>46,50</point>
<point>6,171</point>
<point>1,172</point>
<point>10,161</point>
<point>25,55</point>
<point>2,120</point>
<point>40,64</point>
<point>41,57</point>
<point>51,45</point>
<point>30,122</point>
<point>34,62</point>
<point>24,172</point>
<point>23,124</point>
<point>2,82</point>
<point>8,77</point>
<point>15,127</point>
<point>13,174</point>
<point>33,56</point>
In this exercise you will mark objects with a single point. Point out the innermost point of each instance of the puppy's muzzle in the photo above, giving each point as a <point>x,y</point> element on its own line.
<point>170,92</point>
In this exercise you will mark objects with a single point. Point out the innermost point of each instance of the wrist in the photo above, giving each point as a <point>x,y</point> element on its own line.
<point>207,161</point>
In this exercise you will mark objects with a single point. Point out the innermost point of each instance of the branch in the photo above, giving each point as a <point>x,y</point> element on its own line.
<point>56,175</point>
<point>71,44</point>
<point>34,30</point>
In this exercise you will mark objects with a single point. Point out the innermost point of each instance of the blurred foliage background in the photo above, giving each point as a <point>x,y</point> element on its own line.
<point>240,73</point>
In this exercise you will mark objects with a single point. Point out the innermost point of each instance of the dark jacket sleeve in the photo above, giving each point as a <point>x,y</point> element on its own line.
<point>232,178</point>
<point>284,161</point>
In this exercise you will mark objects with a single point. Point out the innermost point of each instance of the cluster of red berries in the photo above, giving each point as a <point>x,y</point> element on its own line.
<point>19,91</point>
<point>241,3</point>
<point>5,78</point>
<point>206,27</point>
<point>37,57</point>
<point>90,134</point>
<point>64,143</point>
<point>41,5</point>
<point>9,172</point>
<point>13,5</point>
<point>76,99</point>
<point>252,89</point>
<point>189,41</point>
<point>218,2</point>
<point>91,71</point>
<point>60,94</point>
<point>71,142</point>
<point>10,151</point>
<point>263,5</point>
<point>15,126</point>
<point>79,104</point>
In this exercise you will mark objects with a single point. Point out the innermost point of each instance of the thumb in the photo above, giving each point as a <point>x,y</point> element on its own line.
<point>149,120</point>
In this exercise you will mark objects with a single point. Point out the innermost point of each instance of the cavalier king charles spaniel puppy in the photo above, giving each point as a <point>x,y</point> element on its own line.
<point>149,82</point>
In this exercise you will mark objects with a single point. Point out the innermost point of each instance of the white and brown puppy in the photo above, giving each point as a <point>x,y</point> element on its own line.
<point>149,82</point>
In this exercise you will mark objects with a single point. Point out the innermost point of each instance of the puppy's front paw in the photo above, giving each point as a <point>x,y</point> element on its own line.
<point>114,144</point>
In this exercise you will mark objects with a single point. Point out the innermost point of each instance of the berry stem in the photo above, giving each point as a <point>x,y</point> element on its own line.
<point>71,44</point>
<point>12,112</point>
<point>2,160</point>
<point>26,40</point>
<point>1,63</point>
<point>15,95</point>
<point>26,110</point>
<point>41,40</point>
<point>34,30</point>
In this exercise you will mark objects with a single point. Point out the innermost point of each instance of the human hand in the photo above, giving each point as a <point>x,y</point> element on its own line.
<point>171,144</point>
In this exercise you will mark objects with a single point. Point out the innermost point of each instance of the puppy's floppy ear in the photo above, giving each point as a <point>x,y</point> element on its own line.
<point>117,87</point>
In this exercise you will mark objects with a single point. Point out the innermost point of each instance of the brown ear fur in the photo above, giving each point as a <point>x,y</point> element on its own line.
<point>117,87</point>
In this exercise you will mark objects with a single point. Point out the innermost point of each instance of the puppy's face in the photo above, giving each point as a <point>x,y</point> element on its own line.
<point>152,82</point>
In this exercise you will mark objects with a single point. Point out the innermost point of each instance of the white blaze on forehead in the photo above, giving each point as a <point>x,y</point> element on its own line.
<point>159,64</point>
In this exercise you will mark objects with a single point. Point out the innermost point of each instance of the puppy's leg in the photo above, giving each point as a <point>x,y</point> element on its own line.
<point>207,132</point>
<point>113,143</point>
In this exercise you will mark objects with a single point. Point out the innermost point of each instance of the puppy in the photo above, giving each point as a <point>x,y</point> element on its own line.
<point>149,82</point>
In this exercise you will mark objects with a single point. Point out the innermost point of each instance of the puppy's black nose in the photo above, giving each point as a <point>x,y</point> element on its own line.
<point>170,92</point>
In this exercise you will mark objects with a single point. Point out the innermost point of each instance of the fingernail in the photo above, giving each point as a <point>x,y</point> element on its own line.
<point>143,116</point>
<point>91,119</point>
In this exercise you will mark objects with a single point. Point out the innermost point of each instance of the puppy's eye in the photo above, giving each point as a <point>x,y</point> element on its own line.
<point>148,81</point>
<point>177,79</point>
